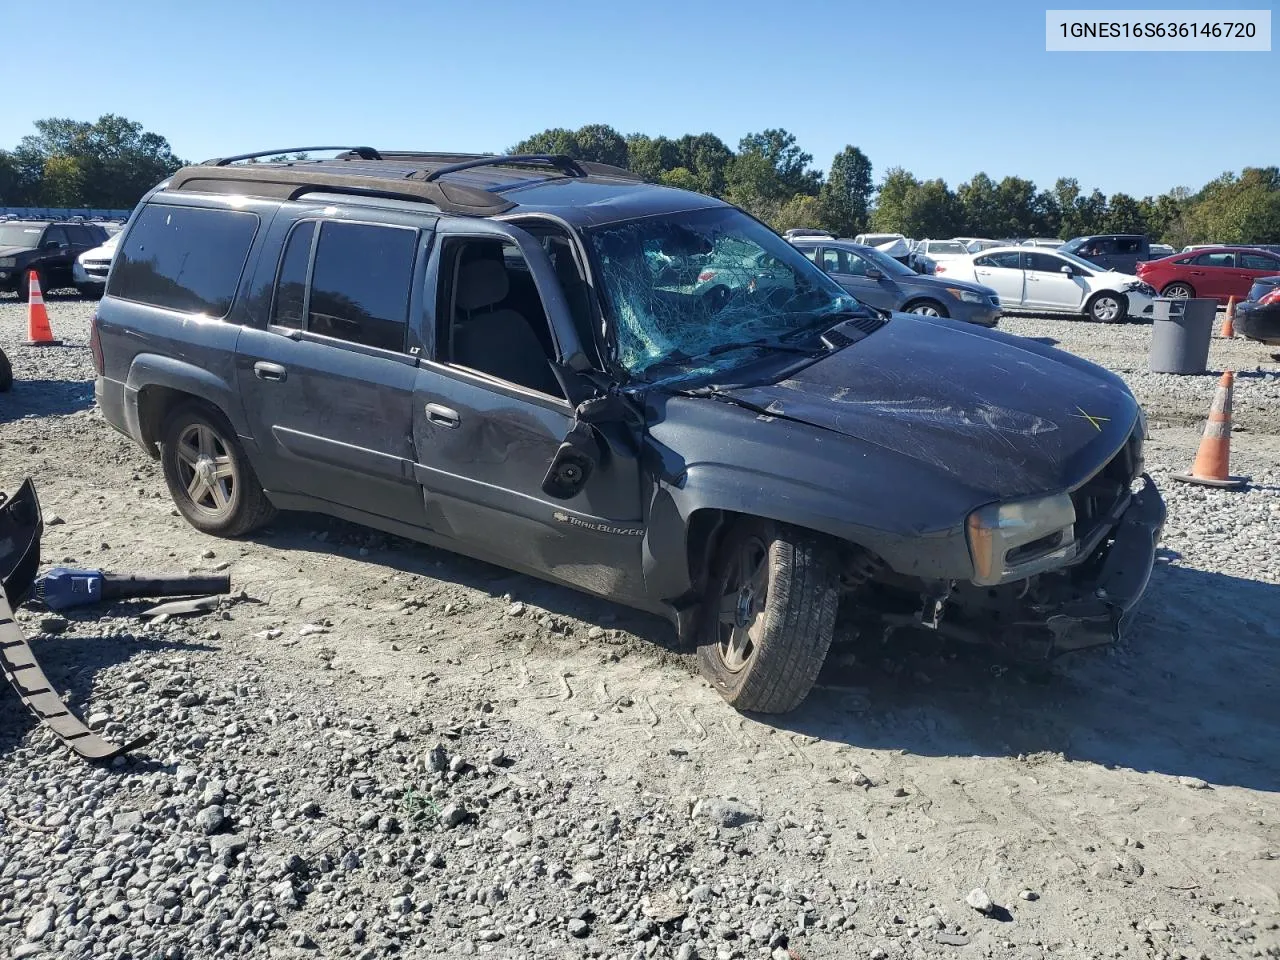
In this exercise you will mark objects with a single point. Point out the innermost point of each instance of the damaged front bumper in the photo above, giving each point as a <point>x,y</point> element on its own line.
<point>1094,604</point>
<point>1087,604</point>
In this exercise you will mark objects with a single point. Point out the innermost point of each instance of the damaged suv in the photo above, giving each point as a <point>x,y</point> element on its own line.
<point>638,391</point>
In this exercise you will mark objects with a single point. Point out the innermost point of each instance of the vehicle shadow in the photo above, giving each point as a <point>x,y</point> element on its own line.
<point>1193,691</point>
<point>72,663</point>
<point>302,532</point>
<point>45,398</point>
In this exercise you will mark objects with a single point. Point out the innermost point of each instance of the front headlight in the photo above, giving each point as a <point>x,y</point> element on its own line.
<point>1010,541</point>
<point>968,296</point>
<point>8,261</point>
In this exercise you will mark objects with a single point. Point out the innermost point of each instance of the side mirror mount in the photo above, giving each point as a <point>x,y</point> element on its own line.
<point>1066,268</point>
<point>874,274</point>
<point>574,462</point>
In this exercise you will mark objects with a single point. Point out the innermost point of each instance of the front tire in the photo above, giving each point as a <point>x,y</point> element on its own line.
<point>769,615</point>
<point>1107,307</point>
<point>208,474</point>
<point>927,308</point>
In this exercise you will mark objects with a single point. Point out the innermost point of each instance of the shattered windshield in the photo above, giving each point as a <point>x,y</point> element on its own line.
<point>702,290</point>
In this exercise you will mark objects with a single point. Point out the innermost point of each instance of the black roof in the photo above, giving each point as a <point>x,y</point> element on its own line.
<point>474,184</point>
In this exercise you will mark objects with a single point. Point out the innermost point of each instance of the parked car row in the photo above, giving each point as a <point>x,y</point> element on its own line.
<point>1217,272</point>
<point>50,248</point>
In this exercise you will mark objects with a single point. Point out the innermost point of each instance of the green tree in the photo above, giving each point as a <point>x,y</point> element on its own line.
<point>801,210</point>
<point>651,157</point>
<point>932,211</point>
<point>707,156</point>
<point>790,164</point>
<point>681,177</point>
<point>117,160</point>
<point>63,182</point>
<point>1124,215</point>
<point>1015,214</point>
<point>893,201</point>
<point>1047,215</point>
<point>600,143</point>
<point>557,140</point>
<point>978,202</point>
<point>845,197</point>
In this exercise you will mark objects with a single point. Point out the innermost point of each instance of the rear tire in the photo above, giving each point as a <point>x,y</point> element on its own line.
<point>769,615</point>
<point>208,474</point>
<point>1107,307</point>
<point>1178,291</point>
<point>927,308</point>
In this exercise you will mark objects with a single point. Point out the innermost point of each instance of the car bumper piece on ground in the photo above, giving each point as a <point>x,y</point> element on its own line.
<point>1258,321</point>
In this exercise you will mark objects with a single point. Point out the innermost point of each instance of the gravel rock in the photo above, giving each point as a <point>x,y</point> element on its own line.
<point>41,923</point>
<point>453,815</point>
<point>979,900</point>
<point>211,819</point>
<point>725,813</point>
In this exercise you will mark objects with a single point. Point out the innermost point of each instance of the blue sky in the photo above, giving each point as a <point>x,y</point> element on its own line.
<point>944,89</point>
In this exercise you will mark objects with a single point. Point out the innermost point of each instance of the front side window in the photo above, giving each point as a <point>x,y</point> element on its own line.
<point>360,283</point>
<point>1256,261</point>
<point>56,235</point>
<point>184,258</point>
<point>686,291</point>
<point>1007,260</point>
<point>1044,263</point>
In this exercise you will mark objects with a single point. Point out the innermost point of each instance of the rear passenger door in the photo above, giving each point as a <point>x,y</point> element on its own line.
<point>327,374</point>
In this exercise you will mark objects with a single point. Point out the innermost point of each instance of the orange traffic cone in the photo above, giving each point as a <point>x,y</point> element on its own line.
<point>38,332</point>
<point>1229,325</point>
<point>1211,465</point>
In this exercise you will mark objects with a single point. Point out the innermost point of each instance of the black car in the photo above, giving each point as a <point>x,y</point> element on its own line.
<point>878,279</point>
<point>1258,316</point>
<point>1113,251</point>
<point>48,247</point>
<point>515,358</point>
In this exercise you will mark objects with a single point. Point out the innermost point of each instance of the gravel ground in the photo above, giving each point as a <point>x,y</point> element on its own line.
<point>381,749</point>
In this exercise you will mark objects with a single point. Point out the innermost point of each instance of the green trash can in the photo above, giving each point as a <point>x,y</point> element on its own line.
<point>1180,333</point>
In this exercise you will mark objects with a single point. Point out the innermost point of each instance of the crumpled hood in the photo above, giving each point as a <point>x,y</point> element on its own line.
<point>1006,416</point>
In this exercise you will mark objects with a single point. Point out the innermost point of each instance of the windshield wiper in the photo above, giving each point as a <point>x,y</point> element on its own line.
<point>766,342</point>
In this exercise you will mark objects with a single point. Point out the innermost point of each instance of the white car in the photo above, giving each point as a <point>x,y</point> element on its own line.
<point>1050,242</point>
<point>940,251</point>
<point>1049,281</point>
<point>89,272</point>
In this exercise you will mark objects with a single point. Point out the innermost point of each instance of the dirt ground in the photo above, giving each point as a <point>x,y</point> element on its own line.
<point>1125,804</point>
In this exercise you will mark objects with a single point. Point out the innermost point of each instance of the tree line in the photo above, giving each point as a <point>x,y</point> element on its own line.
<point>112,161</point>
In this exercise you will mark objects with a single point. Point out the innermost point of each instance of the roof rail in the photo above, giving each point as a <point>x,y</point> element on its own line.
<point>365,153</point>
<point>566,165</point>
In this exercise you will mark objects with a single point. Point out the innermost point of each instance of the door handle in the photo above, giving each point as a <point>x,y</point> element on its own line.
<point>269,371</point>
<point>443,416</point>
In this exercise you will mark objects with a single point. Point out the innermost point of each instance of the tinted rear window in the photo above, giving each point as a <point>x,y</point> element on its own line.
<point>184,258</point>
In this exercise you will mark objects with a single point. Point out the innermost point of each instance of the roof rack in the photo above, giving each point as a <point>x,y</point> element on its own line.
<point>566,165</point>
<point>364,153</point>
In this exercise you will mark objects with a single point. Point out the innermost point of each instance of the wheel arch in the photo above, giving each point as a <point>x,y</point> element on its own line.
<point>925,298</point>
<point>156,384</point>
<point>1185,283</point>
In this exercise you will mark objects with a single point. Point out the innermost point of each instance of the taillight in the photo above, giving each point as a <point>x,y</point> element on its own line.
<point>706,275</point>
<point>95,345</point>
<point>1272,297</point>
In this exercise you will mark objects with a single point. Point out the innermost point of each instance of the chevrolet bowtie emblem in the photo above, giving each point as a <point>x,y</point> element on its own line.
<point>1096,421</point>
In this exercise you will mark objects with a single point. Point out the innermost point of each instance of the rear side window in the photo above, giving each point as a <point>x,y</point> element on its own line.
<point>360,283</point>
<point>291,286</point>
<point>1215,260</point>
<point>1128,244</point>
<point>184,258</point>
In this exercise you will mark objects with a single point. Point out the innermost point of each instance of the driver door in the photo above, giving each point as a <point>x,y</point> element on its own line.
<point>1049,287</point>
<point>489,418</point>
<point>850,271</point>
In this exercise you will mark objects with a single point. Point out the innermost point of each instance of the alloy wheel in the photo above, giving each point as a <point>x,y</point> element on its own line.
<point>744,593</point>
<point>207,470</point>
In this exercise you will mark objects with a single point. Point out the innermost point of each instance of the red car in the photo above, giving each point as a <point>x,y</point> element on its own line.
<point>1218,272</point>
